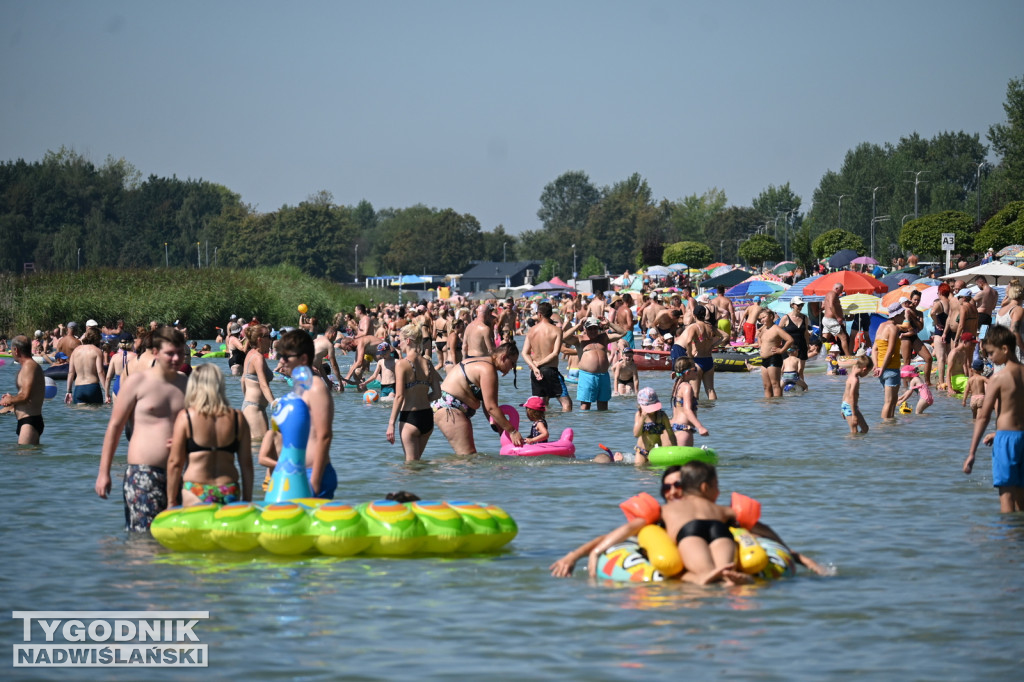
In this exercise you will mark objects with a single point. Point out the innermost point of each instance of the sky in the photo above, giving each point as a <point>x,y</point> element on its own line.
<point>477,105</point>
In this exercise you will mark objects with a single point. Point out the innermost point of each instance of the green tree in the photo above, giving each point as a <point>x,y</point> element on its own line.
<point>565,206</point>
<point>924,235</point>
<point>694,254</point>
<point>689,216</point>
<point>591,266</point>
<point>727,229</point>
<point>829,243</point>
<point>760,248</point>
<point>1008,139</point>
<point>1003,229</point>
<point>499,245</point>
<point>775,200</point>
<point>548,270</point>
<point>623,223</point>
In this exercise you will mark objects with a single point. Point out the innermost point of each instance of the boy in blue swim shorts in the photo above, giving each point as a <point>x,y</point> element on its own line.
<point>851,395</point>
<point>1005,389</point>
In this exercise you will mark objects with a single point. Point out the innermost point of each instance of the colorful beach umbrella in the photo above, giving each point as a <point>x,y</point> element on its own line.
<point>678,266</point>
<point>864,260</point>
<point>853,283</point>
<point>798,290</point>
<point>899,292</point>
<point>784,267</point>
<point>840,259</point>
<point>753,288</point>
<point>709,268</point>
<point>1010,250</point>
<point>855,304</point>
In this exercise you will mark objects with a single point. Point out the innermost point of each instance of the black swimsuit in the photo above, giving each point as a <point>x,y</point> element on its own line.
<point>192,446</point>
<point>706,529</point>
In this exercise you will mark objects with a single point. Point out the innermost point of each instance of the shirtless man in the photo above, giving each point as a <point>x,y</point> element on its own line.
<point>478,339</point>
<point>968,317</point>
<point>506,320</point>
<point>295,349</point>
<point>541,349</point>
<point>85,369</point>
<point>623,317</point>
<point>832,321</point>
<point>152,397</point>
<point>68,343</point>
<point>985,300</point>
<point>361,343</point>
<point>651,312</point>
<point>28,402</point>
<point>323,347</point>
<point>724,311</point>
<point>750,318</point>
<point>595,384</point>
<point>773,342</point>
<point>1003,394</point>
<point>597,307</point>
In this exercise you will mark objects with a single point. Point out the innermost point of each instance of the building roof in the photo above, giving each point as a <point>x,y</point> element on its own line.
<point>499,270</point>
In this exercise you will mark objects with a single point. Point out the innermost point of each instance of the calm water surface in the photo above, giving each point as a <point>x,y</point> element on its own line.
<point>928,579</point>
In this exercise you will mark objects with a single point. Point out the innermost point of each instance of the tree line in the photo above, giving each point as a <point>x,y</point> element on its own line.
<point>65,212</point>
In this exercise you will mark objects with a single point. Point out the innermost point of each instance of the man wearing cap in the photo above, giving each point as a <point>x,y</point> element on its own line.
<point>28,402</point>
<point>595,384</point>
<point>886,354</point>
<point>623,317</point>
<point>832,321</point>
<point>541,349</point>
<point>68,343</point>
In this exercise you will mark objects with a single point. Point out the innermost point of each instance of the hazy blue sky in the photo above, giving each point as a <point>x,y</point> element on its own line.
<point>477,105</point>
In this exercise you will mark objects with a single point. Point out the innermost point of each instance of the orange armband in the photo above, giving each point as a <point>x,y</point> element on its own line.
<point>748,510</point>
<point>641,506</point>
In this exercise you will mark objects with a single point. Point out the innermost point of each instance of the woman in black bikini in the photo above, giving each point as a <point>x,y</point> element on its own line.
<point>416,384</point>
<point>469,385</point>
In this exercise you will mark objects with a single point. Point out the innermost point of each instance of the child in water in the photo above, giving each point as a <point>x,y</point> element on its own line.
<point>791,371</point>
<point>701,528</point>
<point>851,395</point>
<point>384,371</point>
<point>924,391</point>
<point>535,409</point>
<point>651,426</point>
<point>976,384</point>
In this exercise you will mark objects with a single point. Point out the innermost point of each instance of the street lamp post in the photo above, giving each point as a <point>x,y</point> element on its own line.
<point>574,261</point>
<point>199,255</point>
<point>917,181</point>
<point>721,250</point>
<point>167,261</point>
<point>874,191</point>
<point>978,190</point>
<point>904,220</point>
<point>79,259</point>
<point>504,257</point>
<point>841,197</point>
<point>357,263</point>
<point>875,221</point>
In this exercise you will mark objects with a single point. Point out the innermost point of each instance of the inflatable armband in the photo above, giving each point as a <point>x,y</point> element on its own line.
<point>641,506</point>
<point>661,551</point>
<point>748,510</point>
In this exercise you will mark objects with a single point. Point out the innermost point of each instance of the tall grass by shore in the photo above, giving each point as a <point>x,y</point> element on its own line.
<point>201,299</point>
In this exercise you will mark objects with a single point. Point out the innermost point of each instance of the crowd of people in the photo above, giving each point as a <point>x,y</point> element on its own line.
<point>439,362</point>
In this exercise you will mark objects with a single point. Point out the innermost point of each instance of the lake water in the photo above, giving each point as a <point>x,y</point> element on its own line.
<point>928,577</point>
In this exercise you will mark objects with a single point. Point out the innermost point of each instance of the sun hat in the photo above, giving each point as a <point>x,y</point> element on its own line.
<point>907,371</point>
<point>647,399</point>
<point>92,323</point>
<point>38,333</point>
<point>647,343</point>
<point>535,403</point>
<point>668,337</point>
<point>895,308</point>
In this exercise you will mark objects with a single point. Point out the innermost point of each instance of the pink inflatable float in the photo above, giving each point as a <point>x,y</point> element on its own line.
<point>563,447</point>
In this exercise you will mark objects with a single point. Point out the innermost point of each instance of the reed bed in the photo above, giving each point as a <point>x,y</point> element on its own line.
<point>201,299</point>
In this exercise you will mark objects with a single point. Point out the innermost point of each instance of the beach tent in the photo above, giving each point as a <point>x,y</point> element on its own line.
<point>558,282</point>
<point>658,271</point>
<point>549,287</point>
